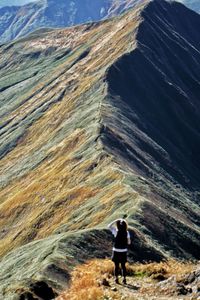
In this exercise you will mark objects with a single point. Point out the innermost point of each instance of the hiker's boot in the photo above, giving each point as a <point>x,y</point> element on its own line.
<point>124,280</point>
<point>117,280</point>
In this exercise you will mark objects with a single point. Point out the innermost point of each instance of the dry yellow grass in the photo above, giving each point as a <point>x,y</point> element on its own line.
<point>87,279</point>
<point>86,282</point>
<point>166,268</point>
<point>35,205</point>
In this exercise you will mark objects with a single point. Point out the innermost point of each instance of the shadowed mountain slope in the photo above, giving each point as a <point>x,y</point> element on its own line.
<point>91,131</point>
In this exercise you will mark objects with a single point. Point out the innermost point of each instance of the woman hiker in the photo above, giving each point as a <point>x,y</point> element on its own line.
<point>122,240</point>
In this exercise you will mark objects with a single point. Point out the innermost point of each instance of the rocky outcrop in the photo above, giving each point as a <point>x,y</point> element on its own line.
<point>188,285</point>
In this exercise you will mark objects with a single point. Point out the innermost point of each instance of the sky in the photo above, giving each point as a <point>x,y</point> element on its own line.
<point>14,2</point>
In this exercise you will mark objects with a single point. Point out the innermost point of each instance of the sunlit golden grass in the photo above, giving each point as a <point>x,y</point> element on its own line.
<point>53,182</point>
<point>87,278</point>
<point>119,37</point>
<point>49,196</point>
<point>35,205</point>
<point>86,282</point>
<point>166,268</point>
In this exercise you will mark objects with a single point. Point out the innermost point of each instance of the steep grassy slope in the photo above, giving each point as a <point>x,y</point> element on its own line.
<point>158,83</point>
<point>91,131</point>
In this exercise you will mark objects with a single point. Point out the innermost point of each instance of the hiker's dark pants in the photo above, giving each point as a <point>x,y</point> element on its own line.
<point>119,258</point>
<point>117,269</point>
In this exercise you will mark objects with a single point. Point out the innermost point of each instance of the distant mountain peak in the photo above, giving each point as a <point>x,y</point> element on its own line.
<point>98,121</point>
<point>56,14</point>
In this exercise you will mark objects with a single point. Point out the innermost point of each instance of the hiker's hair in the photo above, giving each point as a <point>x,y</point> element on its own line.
<point>122,225</point>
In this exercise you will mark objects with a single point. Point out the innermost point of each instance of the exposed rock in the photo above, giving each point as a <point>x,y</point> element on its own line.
<point>159,277</point>
<point>190,278</point>
<point>42,290</point>
<point>27,296</point>
<point>105,282</point>
<point>188,285</point>
<point>182,290</point>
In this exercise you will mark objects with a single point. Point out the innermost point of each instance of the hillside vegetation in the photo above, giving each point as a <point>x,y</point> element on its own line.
<point>165,280</point>
<point>97,121</point>
<point>18,21</point>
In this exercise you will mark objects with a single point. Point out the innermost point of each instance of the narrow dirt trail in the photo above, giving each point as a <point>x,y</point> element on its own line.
<point>143,289</point>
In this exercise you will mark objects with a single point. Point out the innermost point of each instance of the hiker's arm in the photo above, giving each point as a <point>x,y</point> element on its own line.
<point>112,226</point>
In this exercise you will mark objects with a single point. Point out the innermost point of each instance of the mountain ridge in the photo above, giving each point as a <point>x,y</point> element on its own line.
<point>80,142</point>
<point>25,19</point>
<point>16,22</point>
